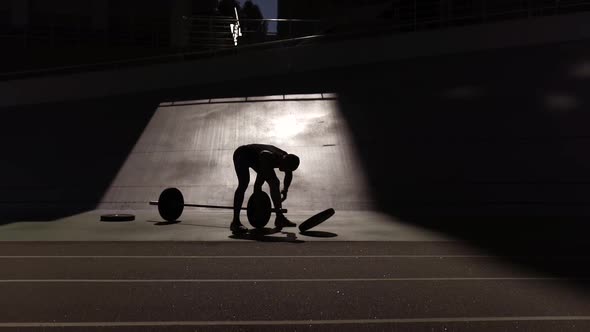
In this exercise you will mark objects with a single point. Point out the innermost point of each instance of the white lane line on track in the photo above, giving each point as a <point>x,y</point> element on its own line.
<point>232,257</point>
<point>5,281</point>
<point>290,256</point>
<point>300,322</point>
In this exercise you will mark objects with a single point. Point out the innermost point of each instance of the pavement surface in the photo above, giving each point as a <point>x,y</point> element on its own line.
<point>198,224</point>
<point>78,273</point>
<point>318,286</point>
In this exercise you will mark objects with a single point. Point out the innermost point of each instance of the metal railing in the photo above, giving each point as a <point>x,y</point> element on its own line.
<point>208,32</point>
<point>149,60</point>
<point>404,16</point>
<point>418,14</point>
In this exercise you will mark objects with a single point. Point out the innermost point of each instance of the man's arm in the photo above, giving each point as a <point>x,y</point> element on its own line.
<point>286,184</point>
<point>269,175</point>
<point>287,180</point>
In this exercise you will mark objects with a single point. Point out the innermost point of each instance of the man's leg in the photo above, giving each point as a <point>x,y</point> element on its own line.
<point>258,183</point>
<point>243,174</point>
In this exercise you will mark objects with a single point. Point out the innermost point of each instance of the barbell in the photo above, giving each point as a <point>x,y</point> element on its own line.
<point>171,204</point>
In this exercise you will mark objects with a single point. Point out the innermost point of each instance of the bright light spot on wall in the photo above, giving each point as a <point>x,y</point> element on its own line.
<point>286,127</point>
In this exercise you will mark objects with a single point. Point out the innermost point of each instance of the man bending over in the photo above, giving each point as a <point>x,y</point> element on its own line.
<point>263,159</point>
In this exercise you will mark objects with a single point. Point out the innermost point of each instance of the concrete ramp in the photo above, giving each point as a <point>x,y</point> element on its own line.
<point>189,145</point>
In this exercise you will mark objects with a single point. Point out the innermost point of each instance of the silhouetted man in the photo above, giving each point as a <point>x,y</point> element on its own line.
<point>254,26</point>
<point>263,159</point>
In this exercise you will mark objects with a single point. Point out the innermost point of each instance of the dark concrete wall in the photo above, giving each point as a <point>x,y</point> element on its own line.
<point>500,132</point>
<point>250,64</point>
<point>59,159</point>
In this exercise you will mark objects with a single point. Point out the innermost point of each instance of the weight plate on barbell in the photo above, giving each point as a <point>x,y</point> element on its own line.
<point>259,209</point>
<point>170,204</point>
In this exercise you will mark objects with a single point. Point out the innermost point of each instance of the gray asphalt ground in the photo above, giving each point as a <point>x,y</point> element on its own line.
<point>255,286</point>
<point>80,274</point>
<point>197,224</point>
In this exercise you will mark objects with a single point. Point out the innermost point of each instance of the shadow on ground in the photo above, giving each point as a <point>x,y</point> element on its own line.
<point>319,234</point>
<point>268,235</point>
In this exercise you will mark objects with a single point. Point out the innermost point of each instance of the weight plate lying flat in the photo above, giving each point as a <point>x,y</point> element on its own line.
<point>259,209</point>
<point>117,217</point>
<point>170,204</point>
<point>317,219</point>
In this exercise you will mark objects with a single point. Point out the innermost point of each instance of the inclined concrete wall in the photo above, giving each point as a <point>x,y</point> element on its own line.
<point>189,145</point>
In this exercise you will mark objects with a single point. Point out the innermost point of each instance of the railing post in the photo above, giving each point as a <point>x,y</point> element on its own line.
<point>52,31</point>
<point>132,26</point>
<point>209,31</point>
<point>450,12</point>
<point>107,37</point>
<point>415,14</point>
<point>153,35</point>
<point>80,33</point>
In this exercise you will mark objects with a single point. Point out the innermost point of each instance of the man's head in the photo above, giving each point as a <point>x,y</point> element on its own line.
<point>290,162</point>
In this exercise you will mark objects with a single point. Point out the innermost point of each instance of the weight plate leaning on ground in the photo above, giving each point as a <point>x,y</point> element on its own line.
<point>259,209</point>
<point>316,219</point>
<point>117,217</point>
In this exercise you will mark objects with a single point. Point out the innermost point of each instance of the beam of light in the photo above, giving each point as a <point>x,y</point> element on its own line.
<point>190,145</point>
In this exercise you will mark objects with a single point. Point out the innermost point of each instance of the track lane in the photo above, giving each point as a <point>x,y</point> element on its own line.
<point>375,286</point>
<point>270,267</point>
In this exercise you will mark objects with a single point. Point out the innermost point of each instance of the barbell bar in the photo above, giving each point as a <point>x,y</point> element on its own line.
<point>171,204</point>
<point>218,207</point>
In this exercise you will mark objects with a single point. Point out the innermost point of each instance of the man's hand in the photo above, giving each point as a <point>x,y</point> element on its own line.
<point>284,193</point>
